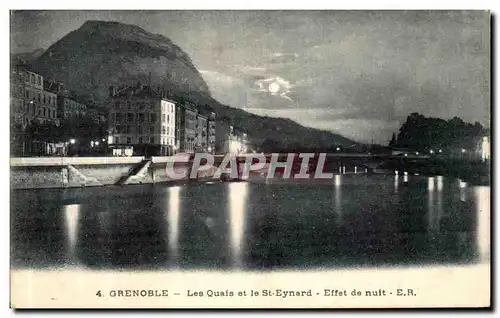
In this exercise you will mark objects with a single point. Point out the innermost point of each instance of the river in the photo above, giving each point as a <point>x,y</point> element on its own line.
<point>349,221</point>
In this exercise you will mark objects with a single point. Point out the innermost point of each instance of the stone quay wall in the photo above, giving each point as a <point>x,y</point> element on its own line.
<point>70,172</point>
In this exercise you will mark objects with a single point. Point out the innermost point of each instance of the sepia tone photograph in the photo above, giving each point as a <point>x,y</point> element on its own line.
<point>247,159</point>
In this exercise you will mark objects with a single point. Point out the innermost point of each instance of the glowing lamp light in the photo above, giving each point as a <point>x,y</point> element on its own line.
<point>463,150</point>
<point>103,139</point>
<point>96,143</point>
<point>416,153</point>
<point>440,151</point>
<point>406,155</point>
<point>431,151</point>
<point>72,141</point>
<point>338,148</point>
<point>209,149</point>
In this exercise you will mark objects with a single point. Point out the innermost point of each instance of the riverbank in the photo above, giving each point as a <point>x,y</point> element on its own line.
<point>35,173</point>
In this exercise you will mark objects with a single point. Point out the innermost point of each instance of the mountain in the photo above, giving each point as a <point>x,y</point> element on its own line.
<point>27,57</point>
<point>102,53</point>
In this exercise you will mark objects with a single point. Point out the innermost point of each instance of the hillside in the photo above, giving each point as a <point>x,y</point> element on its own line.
<point>100,53</point>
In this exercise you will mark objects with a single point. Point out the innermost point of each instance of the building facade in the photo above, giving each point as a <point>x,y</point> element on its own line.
<point>17,96</point>
<point>141,121</point>
<point>201,136</point>
<point>186,127</point>
<point>229,139</point>
<point>211,132</point>
<point>29,99</point>
<point>69,108</point>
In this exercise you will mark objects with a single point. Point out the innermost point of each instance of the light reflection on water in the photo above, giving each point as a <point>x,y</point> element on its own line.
<point>72,214</point>
<point>237,212</point>
<point>338,196</point>
<point>482,198</point>
<point>172,213</point>
<point>354,220</point>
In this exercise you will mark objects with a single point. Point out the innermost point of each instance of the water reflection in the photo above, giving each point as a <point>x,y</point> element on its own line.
<point>237,212</point>
<point>482,195</point>
<point>356,221</point>
<point>71,215</point>
<point>434,202</point>
<point>463,190</point>
<point>172,212</point>
<point>338,196</point>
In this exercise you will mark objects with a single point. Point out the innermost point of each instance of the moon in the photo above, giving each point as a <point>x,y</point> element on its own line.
<point>274,87</point>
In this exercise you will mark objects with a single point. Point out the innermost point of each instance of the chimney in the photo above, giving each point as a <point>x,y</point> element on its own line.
<point>112,91</point>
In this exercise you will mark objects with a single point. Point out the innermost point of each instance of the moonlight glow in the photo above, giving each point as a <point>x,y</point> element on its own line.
<point>274,87</point>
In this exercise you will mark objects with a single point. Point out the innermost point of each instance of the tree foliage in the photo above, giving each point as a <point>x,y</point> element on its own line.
<point>421,133</point>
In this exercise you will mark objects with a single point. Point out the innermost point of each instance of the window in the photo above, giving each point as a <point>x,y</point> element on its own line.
<point>168,130</point>
<point>117,104</point>
<point>129,105</point>
<point>129,140</point>
<point>152,118</point>
<point>39,80</point>
<point>127,129</point>
<point>39,112</point>
<point>163,130</point>
<point>168,119</point>
<point>118,117</point>
<point>44,100</point>
<point>152,140</point>
<point>139,129</point>
<point>140,117</point>
<point>140,140</point>
<point>162,118</point>
<point>32,78</point>
<point>49,100</point>
<point>130,117</point>
<point>27,94</point>
<point>151,129</point>
<point>117,140</point>
<point>39,97</point>
<point>44,112</point>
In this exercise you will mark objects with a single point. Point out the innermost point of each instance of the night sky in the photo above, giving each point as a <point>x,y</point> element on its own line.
<point>356,73</point>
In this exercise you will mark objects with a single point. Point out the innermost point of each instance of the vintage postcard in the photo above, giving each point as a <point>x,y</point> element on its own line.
<point>250,159</point>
